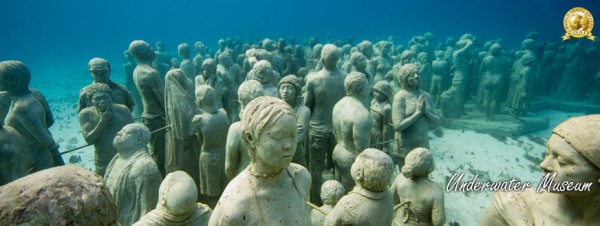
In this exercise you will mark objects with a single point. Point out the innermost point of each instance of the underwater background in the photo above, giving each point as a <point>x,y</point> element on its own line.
<point>56,39</point>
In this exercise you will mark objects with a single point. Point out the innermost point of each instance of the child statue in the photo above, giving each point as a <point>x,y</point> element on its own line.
<point>331,192</point>
<point>271,190</point>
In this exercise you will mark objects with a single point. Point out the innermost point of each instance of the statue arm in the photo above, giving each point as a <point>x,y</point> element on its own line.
<point>303,122</point>
<point>334,218</point>
<point>361,133</point>
<point>438,212</point>
<point>232,154</point>
<point>309,96</point>
<point>399,119</point>
<point>432,118</point>
<point>91,131</point>
<point>387,123</point>
<point>36,127</point>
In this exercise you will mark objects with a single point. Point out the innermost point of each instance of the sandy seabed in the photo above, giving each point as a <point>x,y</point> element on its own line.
<point>492,158</point>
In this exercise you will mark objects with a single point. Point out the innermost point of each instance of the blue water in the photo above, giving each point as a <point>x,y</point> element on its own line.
<point>37,32</point>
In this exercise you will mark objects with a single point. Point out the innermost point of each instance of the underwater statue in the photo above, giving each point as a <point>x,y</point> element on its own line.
<point>418,200</point>
<point>352,124</point>
<point>232,76</point>
<point>187,63</point>
<point>100,123</point>
<point>236,157</point>
<point>13,150</point>
<point>211,131</point>
<point>453,99</point>
<point>182,149</point>
<point>152,90</point>
<point>128,68</point>
<point>323,90</point>
<point>381,116</point>
<point>271,190</point>
<point>162,61</point>
<point>264,73</point>
<point>359,64</point>
<point>370,202</point>
<point>132,177</point>
<point>209,77</point>
<point>200,50</point>
<point>331,192</point>
<point>100,71</point>
<point>572,157</point>
<point>177,204</point>
<point>522,79</point>
<point>425,70</point>
<point>384,61</point>
<point>494,70</point>
<point>30,116</point>
<point>440,69</point>
<point>412,114</point>
<point>289,91</point>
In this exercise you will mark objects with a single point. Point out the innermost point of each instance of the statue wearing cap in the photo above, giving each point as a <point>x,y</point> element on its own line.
<point>289,89</point>
<point>572,157</point>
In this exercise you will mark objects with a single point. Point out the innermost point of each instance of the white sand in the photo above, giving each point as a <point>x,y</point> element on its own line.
<point>493,159</point>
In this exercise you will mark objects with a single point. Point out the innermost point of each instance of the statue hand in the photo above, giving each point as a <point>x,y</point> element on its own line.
<point>106,115</point>
<point>197,118</point>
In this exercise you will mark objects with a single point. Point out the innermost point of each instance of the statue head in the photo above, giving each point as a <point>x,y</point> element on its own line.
<point>405,56</point>
<point>99,69</point>
<point>573,151</point>
<point>268,131</point>
<point>418,163</point>
<point>372,170</point>
<point>330,55</point>
<point>356,84</point>
<point>496,49</point>
<point>127,55</point>
<point>14,77</point>
<point>206,98</point>
<point>366,48</point>
<point>132,137</point>
<point>408,76</point>
<point>221,44</point>
<point>422,57</point>
<point>331,192</point>
<point>382,91</point>
<point>177,194</point>
<point>439,54</point>
<point>268,44</point>
<point>160,46</point>
<point>528,44</point>
<point>174,63</point>
<point>225,59</point>
<point>248,91</point>
<point>199,47</point>
<point>263,72</point>
<point>209,68</point>
<point>281,43</point>
<point>184,51</point>
<point>289,88</point>
<point>142,51</point>
<point>359,61</point>
<point>101,96</point>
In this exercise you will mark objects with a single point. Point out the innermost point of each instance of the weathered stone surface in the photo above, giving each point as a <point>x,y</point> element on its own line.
<point>65,195</point>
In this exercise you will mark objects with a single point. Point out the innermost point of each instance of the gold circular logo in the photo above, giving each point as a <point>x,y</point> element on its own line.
<point>578,23</point>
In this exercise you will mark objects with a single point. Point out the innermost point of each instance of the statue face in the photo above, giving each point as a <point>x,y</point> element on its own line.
<point>101,101</point>
<point>414,80</point>
<point>125,139</point>
<point>276,145</point>
<point>287,92</point>
<point>567,163</point>
<point>100,73</point>
<point>262,76</point>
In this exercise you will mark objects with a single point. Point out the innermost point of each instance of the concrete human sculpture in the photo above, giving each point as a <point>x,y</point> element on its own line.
<point>370,197</point>
<point>236,157</point>
<point>384,61</point>
<point>182,149</point>
<point>264,73</point>
<point>100,123</point>
<point>162,62</point>
<point>412,113</point>
<point>100,70</point>
<point>209,77</point>
<point>417,199</point>
<point>454,98</point>
<point>152,90</point>
<point>440,69</point>
<point>494,69</point>
<point>359,64</point>
<point>132,177</point>
<point>13,161</point>
<point>271,190</point>
<point>211,131</point>
<point>187,63</point>
<point>177,204</point>
<point>573,157</point>
<point>331,192</point>
<point>29,116</point>
<point>200,50</point>
<point>381,116</point>
<point>128,68</point>
<point>352,124</point>
<point>523,80</point>
<point>323,90</point>
<point>289,90</point>
<point>232,76</point>
<point>425,70</point>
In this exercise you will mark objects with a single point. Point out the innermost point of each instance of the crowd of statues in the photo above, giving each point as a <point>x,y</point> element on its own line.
<point>251,130</point>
